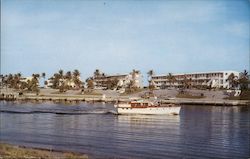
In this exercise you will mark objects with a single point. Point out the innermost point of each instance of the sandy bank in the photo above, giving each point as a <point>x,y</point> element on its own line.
<point>13,151</point>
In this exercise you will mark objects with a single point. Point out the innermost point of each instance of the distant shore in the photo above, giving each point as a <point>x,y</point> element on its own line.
<point>14,151</point>
<point>215,98</point>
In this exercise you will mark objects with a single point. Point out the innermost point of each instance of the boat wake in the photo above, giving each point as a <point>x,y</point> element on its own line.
<point>81,112</point>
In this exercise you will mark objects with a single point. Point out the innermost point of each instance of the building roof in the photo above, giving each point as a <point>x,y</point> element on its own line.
<point>175,74</point>
<point>110,76</point>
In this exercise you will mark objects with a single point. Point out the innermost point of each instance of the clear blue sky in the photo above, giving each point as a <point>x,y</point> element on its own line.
<point>118,36</point>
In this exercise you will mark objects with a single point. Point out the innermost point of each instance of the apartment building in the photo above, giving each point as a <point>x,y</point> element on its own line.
<point>216,79</point>
<point>68,82</point>
<point>123,80</point>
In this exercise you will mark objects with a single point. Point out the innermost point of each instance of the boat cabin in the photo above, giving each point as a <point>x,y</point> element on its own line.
<point>141,104</point>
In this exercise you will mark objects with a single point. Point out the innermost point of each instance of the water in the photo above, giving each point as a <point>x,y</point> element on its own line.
<point>94,129</point>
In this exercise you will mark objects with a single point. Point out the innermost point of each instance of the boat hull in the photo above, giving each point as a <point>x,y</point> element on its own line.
<point>150,110</point>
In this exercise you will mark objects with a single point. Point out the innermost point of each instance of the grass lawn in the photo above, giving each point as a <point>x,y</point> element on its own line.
<point>15,152</point>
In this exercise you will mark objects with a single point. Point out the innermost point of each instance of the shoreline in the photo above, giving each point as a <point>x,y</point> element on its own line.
<point>113,99</point>
<point>17,151</point>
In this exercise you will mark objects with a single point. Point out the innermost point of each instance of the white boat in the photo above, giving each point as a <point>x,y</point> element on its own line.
<point>146,107</point>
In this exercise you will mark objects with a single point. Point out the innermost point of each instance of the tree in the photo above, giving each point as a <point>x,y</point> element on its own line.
<point>45,83</point>
<point>19,75</point>
<point>12,81</point>
<point>68,75</point>
<point>2,80</point>
<point>134,73</point>
<point>60,73</point>
<point>76,73</point>
<point>90,83</point>
<point>233,80</point>
<point>150,74</point>
<point>97,73</point>
<point>131,87</point>
<point>151,86</point>
<point>186,83</point>
<point>112,83</point>
<point>36,76</point>
<point>23,85</point>
<point>63,87</point>
<point>244,80</point>
<point>32,85</point>
<point>56,81</point>
<point>9,80</point>
<point>171,79</point>
<point>76,78</point>
<point>16,81</point>
<point>43,76</point>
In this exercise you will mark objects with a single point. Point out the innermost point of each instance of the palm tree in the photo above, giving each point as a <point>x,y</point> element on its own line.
<point>68,75</point>
<point>23,85</point>
<point>62,87</point>
<point>56,81</point>
<point>35,77</point>
<point>16,81</point>
<point>134,73</point>
<point>76,78</point>
<point>9,80</point>
<point>97,73</point>
<point>19,75</point>
<point>2,81</point>
<point>244,80</point>
<point>150,74</point>
<point>171,79</point>
<point>112,83</point>
<point>90,83</point>
<point>76,73</point>
<point>233,80</point>
<point>43,76</point>
<point>32,85</point>
<point>186,83</point>
<point>131,86</point>
<point>60,73</point>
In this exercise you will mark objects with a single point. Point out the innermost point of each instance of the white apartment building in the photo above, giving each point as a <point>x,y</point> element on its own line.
<point>216,79</point>
<point>124,80</point>
<point>70,83</point>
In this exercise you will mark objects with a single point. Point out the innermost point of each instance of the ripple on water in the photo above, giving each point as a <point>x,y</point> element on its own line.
<point>198,132</point>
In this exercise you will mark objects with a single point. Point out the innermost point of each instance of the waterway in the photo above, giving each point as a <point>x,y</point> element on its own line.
<point>95,129</point>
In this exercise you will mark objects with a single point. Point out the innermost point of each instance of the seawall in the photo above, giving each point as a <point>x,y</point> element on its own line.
<point>113,99</point>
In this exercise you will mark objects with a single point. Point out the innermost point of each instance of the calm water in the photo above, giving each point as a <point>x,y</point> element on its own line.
<point>94,129</point>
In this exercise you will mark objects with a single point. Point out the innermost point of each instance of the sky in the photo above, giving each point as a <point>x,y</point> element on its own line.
<point>117,36</point>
